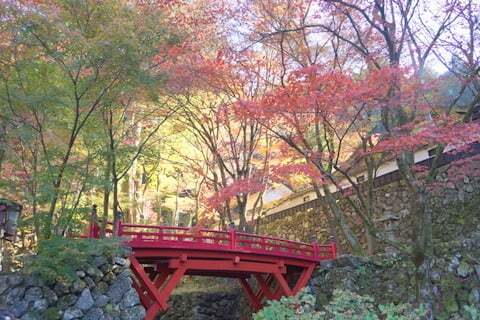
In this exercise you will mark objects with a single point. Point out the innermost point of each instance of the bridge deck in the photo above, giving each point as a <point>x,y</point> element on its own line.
<point>162,255</point>
<point>145,236</point>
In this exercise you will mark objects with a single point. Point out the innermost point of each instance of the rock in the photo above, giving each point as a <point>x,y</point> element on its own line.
<point>33,281</point>
<point>15,280</point>
<point>33,293</point>
<point>454,262</point>
<point>40,305</point>
<point>78,286</point>
<point>469,188</point>
<point>4,285</point>
<point>477,271</point>
<point>101,300</point>
<point>61,289</point>
<point>66,301</point>
<point>118,288</point>
<point>134,313</point>
<point>474,296</point>
<point>89,281</point>
<point>49,295</point>
<point>14,295</point>
<point>102,287</point>
<point>464,269</point>
<point>30,316</point>
<point>19,308</point>
<point>109,277</point>
<point>121,261</point>
<point>52,313</point>
<point>94,314</point>
<point>100,261</point>
<point>450,304</point>
<point>94,272</point>
<point>72,313</point>
<point>81,274</point>
<point>85,302</point>
<point>130,299</point>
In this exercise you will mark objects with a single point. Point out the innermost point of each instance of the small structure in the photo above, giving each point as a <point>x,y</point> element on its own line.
<point>9,215</point>
<point>390,221</point>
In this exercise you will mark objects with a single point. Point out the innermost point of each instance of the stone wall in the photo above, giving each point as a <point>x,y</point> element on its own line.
<point>206,306</point>
<point>455,213</point>
<point>103,291</point>
<point>455,278</point>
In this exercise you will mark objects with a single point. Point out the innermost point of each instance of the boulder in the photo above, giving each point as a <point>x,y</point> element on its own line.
<point>72,313</point>
<point>130,299</point>
<point>85,302</point>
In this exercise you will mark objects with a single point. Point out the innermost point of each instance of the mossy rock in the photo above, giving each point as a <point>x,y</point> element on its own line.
<point>464,270</point>
<point>52,313</point>
<point>462,297</point>
<point>450,283</point>
<point>450,304</point>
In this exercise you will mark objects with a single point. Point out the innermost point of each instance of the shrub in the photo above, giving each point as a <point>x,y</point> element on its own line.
<point>345,305</point>
<point>299,307</point>
<point>59,259</point>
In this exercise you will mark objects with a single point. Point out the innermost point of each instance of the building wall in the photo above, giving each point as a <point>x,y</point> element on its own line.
<point>455,206</point>
<point>291,200</point>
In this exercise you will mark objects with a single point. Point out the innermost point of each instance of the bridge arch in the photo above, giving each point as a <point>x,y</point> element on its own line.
<point>162,255</point>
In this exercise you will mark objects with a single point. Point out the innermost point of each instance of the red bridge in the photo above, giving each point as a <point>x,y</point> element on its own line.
<point>161,256</point>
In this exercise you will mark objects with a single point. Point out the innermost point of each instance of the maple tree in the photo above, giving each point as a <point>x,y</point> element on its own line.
<point>123,102</point>
<point>359,39</point>
<point>69,71</point>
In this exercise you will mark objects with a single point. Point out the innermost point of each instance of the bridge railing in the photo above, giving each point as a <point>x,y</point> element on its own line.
<point>197,238</point>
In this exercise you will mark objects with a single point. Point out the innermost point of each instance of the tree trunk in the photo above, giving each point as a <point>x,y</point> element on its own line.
<point>115,203</point>
<point>106,194</point>
<point>342,222</point>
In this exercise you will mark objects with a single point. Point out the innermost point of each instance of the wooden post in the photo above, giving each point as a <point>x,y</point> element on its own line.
<point>315,250</point>
<point>233,239</point>
<point>117,232</point>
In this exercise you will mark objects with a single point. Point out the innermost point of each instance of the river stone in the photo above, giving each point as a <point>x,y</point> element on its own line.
<point>85,301</point>
<point>72,313</point>
<point>30,316</point>
<point>66,301</point>
<point>33,294</point>
<point>100,261</point>
<point>130,299</point>
<point>50,295</point>
<point>89,281</point>
<point>121,261</point>
<point>134,313</point>
<point>464,269</point>
<point>40,305</point>
<point>477,271</point>
<point>61,289</point>
<point>101,300</point>
<point>78,286</point>
<point>19,308</point>
<point>4,285</point>
<point>14,295</point>
<point>474,297</point>
<point>118,288</point>
<point>95,273</point>
<point>102,287</point>
<point>94,314</point>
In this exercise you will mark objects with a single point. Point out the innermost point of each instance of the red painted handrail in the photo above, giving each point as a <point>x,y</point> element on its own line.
<point>231,240</point>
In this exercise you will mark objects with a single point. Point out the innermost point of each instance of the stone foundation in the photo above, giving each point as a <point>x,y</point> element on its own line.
<point>455,278</point>
<point>102,291</point>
